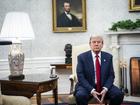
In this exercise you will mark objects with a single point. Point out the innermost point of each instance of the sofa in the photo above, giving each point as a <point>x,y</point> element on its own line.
<point>14,100</point>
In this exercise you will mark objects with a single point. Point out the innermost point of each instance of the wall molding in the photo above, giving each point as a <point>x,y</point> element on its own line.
<point>33,65</point>
<point>38,65</point>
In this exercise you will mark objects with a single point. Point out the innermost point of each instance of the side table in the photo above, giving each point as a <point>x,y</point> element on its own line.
<point>32,84</point>
<point>62,66</point>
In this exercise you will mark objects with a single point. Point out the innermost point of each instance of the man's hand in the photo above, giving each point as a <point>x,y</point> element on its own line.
<point>103,93</point>
<point>95,95</point>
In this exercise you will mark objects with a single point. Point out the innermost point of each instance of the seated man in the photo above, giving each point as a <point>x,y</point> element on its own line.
<point>95,75</point>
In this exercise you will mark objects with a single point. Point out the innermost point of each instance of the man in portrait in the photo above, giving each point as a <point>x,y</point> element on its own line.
<point>137,2</point>
<point>67,19</point>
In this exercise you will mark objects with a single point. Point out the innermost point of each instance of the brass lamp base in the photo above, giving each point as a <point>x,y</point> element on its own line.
<point>20,77</point>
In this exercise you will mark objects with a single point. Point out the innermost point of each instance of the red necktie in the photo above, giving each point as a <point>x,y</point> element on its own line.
<point>98,74</point>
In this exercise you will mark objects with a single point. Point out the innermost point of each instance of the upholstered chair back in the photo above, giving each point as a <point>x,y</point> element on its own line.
<point>76,50</point>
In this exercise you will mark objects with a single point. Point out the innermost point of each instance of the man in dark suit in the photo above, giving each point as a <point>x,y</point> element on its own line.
<point>66,19</point>
<point>91,82</point>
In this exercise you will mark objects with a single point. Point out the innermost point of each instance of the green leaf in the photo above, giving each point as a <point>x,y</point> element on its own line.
<point>125,24</point>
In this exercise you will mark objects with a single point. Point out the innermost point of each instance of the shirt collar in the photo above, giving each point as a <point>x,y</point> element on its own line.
<point>66,12</point>
<point>93,54</point>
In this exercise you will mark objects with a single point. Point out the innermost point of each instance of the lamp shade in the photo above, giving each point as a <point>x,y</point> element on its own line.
<point>17,25</point>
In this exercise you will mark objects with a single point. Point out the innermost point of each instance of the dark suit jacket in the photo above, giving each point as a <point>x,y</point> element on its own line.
<point>86,74</point>
<point>64,21</point>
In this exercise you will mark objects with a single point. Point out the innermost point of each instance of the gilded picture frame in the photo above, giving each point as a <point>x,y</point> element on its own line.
<point>77,10</point>
<point>134,5</point>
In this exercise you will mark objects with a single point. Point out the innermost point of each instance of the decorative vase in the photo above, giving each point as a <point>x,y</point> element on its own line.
<point>16,61</point>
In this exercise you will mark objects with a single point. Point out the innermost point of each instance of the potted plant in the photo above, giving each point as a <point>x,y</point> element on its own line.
<point>125,24</point>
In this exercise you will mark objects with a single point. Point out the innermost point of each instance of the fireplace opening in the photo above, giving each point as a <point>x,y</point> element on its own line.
<point>135,76</point>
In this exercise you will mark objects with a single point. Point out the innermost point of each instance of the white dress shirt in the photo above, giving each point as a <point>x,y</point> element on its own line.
<point>68,15</point>
<point>94,60</point>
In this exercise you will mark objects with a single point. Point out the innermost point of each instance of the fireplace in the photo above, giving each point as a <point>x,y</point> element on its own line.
<point>135,76</point>
<point>124,45</point>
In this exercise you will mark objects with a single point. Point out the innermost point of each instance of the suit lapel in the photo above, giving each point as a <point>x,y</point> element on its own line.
<point>91,64</point>
<point>103,65</point>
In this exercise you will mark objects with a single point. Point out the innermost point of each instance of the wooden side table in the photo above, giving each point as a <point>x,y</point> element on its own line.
<point>62,66</point>
<point>33,83</point>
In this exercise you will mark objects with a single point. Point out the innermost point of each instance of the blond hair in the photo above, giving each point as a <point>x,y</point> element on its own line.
<point>98,36</point>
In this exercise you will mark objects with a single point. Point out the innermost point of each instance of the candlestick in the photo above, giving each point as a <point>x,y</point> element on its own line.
<point>121,75</point>
<point>125,70</point>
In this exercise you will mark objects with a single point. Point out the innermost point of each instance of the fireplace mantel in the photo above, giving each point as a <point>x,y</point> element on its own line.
<point>122,32</point>
<point>123,45</point>
<point>114,36</point>
<point>115,46</point>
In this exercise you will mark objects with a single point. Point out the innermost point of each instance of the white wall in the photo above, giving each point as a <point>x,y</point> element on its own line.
<point>100,15</point>
<point>48,47</point>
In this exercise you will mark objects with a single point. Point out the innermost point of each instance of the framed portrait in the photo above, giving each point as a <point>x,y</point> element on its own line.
<point>134,5</point>
<point>69,15</point>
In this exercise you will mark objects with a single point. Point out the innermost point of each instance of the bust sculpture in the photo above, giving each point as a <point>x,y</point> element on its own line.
<point>68,53</point>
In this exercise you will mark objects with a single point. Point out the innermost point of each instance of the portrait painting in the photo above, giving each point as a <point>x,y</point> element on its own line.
<point>69,15</point>
<point>134,5</point>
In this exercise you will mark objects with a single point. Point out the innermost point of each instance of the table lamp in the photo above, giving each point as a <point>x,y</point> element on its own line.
<point>16,27</point>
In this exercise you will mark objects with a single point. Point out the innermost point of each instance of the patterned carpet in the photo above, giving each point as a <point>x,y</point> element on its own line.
<point>58,104</point>
<point>129,103</point>
<point>63,100</point>
<point>98,104</point>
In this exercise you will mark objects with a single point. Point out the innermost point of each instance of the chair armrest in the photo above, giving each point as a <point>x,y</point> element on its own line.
<point>72,78</point>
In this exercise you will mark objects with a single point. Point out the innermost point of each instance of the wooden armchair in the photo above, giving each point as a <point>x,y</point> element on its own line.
<point>76,50</point>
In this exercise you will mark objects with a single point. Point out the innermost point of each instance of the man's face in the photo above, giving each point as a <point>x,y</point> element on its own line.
<point>96,44</point>
<point>67,7</point>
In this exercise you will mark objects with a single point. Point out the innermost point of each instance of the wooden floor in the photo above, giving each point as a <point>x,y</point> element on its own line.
<point>44,99</point>
<point>33,99</point>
